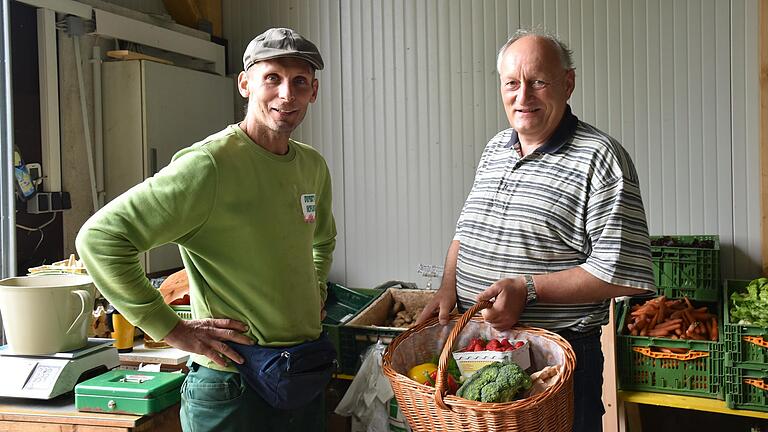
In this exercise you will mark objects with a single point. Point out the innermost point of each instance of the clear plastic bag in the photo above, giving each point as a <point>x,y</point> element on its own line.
<point>368,396</point>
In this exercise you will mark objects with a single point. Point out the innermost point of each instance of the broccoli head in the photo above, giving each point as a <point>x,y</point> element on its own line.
<point>496,382</point>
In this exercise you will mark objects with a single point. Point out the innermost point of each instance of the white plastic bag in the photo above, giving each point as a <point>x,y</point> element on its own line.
<point>370,392</point>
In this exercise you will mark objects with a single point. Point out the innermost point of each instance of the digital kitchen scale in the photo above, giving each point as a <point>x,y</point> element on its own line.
<point>48,376</point>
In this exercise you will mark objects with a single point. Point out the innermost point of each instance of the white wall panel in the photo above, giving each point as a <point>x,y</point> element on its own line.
<point>745,135</point>
<point>422,101</point>
<point>411,98</point>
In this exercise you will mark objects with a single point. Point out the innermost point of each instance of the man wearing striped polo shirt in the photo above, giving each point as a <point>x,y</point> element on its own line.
<point>554,225</point>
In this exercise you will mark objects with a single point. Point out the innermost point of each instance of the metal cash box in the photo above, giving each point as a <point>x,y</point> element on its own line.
<point>129,392</point>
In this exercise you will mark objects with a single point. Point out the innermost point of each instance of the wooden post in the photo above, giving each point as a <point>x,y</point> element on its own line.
<point>611,418</point>
<point>763,64</point>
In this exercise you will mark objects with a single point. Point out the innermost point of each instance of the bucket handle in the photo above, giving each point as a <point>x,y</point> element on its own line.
<point>85,299</point>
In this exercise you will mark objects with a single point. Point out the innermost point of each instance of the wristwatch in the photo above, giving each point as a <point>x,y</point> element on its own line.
<point>531,297</point>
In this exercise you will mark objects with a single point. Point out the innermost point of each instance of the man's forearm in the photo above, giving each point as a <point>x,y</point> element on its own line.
<point>576,285</point>
<point>449,269</point>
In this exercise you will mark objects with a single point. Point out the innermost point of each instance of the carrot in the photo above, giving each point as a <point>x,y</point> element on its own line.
<point>658,332</point>
<point>673,303</point>
<point>654,320</point>
<point>670,323</point>
<point>691,329</point>
<point>641,323</point>
<point>701,316</point>
<point>687,317</point>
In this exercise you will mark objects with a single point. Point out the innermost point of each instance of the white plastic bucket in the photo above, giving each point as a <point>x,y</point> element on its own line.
<point>46,314</point>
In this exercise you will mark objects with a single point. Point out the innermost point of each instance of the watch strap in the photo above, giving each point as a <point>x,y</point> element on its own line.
<point>531,295</point>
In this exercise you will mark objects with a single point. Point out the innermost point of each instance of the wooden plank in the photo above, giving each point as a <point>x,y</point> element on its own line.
<point>686,402</point>
<point>60,415</point>
<point>130,55</point>
<point>763,62</point>
<point>55,427</point>
<point>14,414</point>
<point>608,342</point>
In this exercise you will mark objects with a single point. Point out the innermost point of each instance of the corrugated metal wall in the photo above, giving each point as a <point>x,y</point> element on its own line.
<point>410,97</point>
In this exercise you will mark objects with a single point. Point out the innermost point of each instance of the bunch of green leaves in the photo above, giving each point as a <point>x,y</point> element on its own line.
<point>751,307</point>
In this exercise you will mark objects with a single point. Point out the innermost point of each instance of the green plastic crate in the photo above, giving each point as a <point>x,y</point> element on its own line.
<point>701,377</point>
<point>746,388</point>
<point>680,271</point>
<point>341,305</point>
<point>746,345</point>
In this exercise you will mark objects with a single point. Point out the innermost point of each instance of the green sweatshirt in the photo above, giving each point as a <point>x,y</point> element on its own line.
<point>255,231</point>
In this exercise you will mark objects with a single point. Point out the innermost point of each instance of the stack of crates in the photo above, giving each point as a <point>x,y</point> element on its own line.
<point>746,360</point>
<point>683,266</point>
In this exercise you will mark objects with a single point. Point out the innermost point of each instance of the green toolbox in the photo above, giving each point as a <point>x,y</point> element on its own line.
<point>129,392</point>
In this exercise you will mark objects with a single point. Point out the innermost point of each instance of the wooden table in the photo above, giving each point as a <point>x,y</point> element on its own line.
<point>60,415</point>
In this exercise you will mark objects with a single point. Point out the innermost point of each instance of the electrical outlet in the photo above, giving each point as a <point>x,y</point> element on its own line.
<point>45,202</point>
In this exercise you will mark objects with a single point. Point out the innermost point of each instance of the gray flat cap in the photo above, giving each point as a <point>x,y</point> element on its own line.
<point>281,42</point>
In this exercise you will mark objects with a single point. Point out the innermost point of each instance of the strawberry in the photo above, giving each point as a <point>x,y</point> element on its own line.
<point>493,345</point>
<point>505,343</point>
<point>518,344</point>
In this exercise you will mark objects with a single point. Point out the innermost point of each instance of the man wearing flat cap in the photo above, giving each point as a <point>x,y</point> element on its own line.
<point>250,210</point>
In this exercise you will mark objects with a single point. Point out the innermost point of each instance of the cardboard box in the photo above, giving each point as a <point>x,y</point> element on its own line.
<point>369,326</point>
<point>471,362</point>
<point>377,313</point>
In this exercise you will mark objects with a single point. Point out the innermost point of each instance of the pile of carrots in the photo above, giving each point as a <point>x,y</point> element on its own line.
<point>675,319</point>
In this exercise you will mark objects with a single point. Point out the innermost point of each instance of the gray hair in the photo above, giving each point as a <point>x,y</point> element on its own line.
<point>566,55</point>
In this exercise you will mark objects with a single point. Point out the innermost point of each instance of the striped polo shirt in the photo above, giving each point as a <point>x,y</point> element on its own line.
<point>574,201</point>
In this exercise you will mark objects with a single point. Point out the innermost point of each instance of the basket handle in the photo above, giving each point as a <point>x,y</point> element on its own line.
<point>442,365</point>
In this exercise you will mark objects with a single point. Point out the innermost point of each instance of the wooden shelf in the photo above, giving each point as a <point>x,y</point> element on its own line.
<point>686,402</point>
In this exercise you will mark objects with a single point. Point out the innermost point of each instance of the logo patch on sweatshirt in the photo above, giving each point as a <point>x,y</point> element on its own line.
<point>308,207</point>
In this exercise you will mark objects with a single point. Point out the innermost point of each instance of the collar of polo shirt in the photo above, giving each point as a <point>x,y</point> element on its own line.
<point>562,134</point>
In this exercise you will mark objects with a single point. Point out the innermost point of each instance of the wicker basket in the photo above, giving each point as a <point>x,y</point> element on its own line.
<point>429,409</point>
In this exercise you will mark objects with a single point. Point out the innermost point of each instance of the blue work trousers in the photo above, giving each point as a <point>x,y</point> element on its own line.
<point>587,381</point>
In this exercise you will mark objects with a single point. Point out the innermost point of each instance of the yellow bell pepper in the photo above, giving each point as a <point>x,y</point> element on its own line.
<point>420,373</point>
